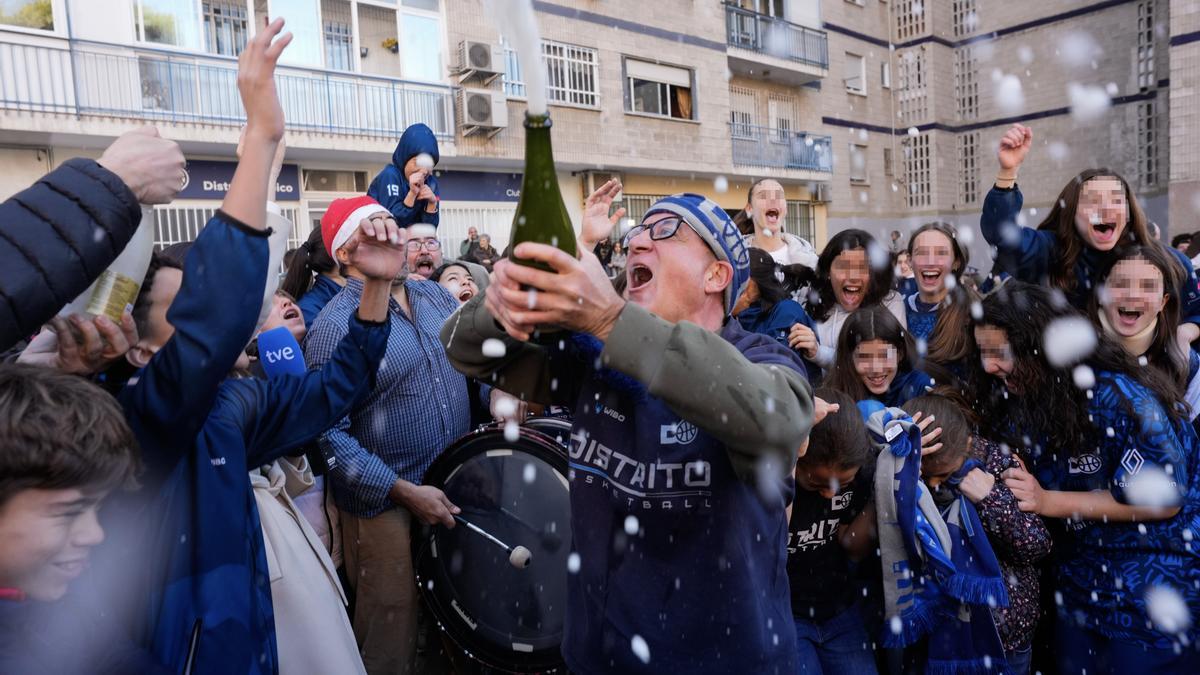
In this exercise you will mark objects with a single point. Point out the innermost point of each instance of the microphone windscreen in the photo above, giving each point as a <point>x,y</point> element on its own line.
<point>280,354</point>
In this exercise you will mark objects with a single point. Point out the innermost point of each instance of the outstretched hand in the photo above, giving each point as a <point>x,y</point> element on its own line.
<point>256,81</point>
<point>81,345</point>
<point>597,224</point>
<point>578,296</point>
<point>377,248</point>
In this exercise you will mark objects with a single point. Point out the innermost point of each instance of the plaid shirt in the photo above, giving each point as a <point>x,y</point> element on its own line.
<point>418,406</point>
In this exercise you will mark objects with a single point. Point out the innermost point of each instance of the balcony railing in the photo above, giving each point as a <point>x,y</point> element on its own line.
<point>781,149</point>
<point>775,37</point>
<point>87,78</point>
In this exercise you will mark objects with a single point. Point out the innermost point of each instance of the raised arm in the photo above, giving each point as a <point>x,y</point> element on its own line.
<point>58,235</point>
<point>1023,252</point>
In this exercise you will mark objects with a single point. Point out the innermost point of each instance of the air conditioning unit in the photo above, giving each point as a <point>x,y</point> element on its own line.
<point>484,60</point>
<point>592,180</point>
<point>482,111</point>
<point>823,193</point>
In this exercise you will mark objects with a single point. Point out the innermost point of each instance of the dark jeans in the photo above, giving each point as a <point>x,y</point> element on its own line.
<point>837,645</point>
<point>1082,650</point>
<point>1019,660</point>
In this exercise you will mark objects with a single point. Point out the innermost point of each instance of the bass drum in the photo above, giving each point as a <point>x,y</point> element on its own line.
<point>504,617</point>
<point>556,427</point>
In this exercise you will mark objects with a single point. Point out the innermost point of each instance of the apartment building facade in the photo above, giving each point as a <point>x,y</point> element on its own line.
<point>646,99</point>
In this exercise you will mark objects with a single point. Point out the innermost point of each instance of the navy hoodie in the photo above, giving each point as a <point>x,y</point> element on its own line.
<point>390,187</point>
<point>197,544</point>
<point>703,579</point>
<point>777,324</point>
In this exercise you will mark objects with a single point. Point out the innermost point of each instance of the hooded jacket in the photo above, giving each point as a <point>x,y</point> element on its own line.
<point>56,237</point>
<point>390,187</point>
<point>207,581</point>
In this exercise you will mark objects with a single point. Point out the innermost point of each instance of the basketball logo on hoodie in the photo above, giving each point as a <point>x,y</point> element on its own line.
<point>680,433</point>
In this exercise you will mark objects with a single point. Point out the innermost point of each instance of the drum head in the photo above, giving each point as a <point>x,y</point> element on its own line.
<point>503,616</point>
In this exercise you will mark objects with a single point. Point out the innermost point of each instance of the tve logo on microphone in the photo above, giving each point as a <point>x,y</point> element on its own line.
<point>280,354</point>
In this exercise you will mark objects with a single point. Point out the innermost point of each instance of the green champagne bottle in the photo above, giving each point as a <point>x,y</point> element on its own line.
<point>541,214</point>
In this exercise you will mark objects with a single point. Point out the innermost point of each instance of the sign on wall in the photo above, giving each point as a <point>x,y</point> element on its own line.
<point>210,179</point>
<point>479,186</point>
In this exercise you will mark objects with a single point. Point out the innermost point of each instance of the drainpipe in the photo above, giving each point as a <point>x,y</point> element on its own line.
<point>71,51</point>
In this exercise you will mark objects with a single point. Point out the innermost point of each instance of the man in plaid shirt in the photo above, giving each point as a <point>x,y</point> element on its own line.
<point>417,406</point>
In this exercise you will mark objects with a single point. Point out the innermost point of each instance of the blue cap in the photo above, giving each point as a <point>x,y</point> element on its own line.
<point>717,230</point>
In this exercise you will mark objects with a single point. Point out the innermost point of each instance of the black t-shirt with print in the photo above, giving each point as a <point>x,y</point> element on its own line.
<point>819,571</point>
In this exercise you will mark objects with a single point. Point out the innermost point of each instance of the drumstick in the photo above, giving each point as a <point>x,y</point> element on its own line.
<point>550,540</point>
<point>518,556</point>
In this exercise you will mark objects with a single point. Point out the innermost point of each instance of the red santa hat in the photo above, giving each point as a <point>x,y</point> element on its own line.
<point>341,220</point>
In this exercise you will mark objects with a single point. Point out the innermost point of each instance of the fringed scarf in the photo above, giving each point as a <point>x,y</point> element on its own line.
<point>938,578</point>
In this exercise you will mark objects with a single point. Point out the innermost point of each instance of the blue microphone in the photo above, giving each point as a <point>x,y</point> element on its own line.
<point>280,354</point>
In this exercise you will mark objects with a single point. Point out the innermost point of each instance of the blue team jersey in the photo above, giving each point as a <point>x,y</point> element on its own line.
<point>1105,569</point>
<point>922,316</point>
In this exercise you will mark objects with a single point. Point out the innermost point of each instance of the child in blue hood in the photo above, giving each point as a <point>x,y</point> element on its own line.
<point>405,188</point>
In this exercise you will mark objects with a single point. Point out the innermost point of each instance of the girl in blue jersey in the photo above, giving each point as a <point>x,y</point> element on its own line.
<point>1094,214</point>
<point>937,261</point>
<point>1092,456</point>
<point>876,359</point>
<point>1137,306</point>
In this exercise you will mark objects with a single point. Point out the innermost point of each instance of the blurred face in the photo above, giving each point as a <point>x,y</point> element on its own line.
<point>933,261</point>
<point>1182,246</point>
<point>47,535</point>
<point>996,355</point>
<point>672,277</point>
<point>768,206</point>
<point>163,290</point>
<point>284,312</point>
<point>457,280</point>
<point>424,255</point>
<point>935,472</point>
<point>1134,296</point>
<point>849,276</point>
<point>1102,213</point>
<point>410,167</point>
<point>903,265</point>
<point>472,233</point>
<point>875,363</point>
<point>826,481</point>
<point>485,241</point>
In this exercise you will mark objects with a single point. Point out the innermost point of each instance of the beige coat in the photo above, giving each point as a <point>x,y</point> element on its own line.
<point>311,627</point>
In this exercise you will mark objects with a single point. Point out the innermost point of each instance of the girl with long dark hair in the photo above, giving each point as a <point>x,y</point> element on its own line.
<point>766,306</point>
<point>1090,436</point>
<point>853,271</point>
<point>313,277</point>
<point>1095,213</point>
<point>876,359</point>
<point>1137,306</point>
<point>937,262</point>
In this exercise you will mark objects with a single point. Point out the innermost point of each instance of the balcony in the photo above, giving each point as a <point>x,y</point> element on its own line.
<point>809,156</point>
<point>765,47</point>
<point>83,78</point>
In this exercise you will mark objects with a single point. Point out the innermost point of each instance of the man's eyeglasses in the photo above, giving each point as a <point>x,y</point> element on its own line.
<point>659,230</point>
<point>428,244</point>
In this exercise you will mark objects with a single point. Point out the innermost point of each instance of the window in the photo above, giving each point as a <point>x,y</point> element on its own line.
<point>799,219</point>
<point>779,114</point>
<point>855,73</point>
<point>167,22</point>
<point>657,89</point>
<point>966,20</point>
<point>885,75</point>
<point>571,74</point>
<point>338,32</point>
<point>966,84</point>
<point>37,14</point>
<point>226,27</point>
<point>910,18</point>
<point>1147,144</point>
<point>858,163</point>
<point>1145,44</point>
<point>322,180</point>
<point>636,206</point>
<point>888,169</point>
<point>743,104</point>
<point>917,171</point>
<point>769,7</point>
<point>968,168</point>
<point>421,46</point>
<point>913,76</point>
<point>303,20</point>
